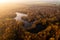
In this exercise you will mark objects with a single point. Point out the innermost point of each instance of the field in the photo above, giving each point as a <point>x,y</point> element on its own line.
<point>44,22</point>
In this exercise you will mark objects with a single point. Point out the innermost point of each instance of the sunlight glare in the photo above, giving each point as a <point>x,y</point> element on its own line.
<point>3,1</point>
<point>11,1</point>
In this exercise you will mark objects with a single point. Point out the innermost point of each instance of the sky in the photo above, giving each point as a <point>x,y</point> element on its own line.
<point>29,1</point>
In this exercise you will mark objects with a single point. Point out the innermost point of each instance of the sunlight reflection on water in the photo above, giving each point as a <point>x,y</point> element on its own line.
<point>19,16</point>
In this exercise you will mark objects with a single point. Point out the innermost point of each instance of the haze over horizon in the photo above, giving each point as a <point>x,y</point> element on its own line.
<point>13,4</point>
<point>30,1</point>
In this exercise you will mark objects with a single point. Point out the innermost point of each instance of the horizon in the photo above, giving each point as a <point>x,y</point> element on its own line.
<point>30,1</point>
